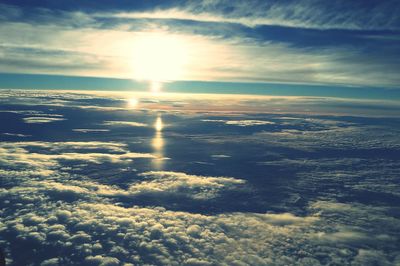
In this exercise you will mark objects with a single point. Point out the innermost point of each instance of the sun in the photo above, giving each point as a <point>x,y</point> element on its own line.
<point>158,58</point>
<point>155,86</point>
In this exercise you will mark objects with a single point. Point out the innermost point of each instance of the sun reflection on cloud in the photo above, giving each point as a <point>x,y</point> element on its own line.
<point>158,143</point>
<point>158,125</point>
<point>133,102</point>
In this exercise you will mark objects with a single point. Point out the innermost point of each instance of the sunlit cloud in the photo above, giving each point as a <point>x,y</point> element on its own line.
<point>124,123</point>
<point>297,14</point>
<point>89,130</point>
<point>15,135</point>
<point>158,53</point>
<point>264,192</point>
<point>41,120</point>
<point>240,123</point>
<point>220,156</point>
<point>181,184</point>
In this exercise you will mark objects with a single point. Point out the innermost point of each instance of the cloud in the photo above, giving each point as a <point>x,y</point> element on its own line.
<point>241,123</point>
<point>284,219</point>
<point>22,112</point>
<point>58,190</point>
<point>100,158</point>
<point>102,260</point>
<point>89,130</point>
<point>124,123</point>
<point>44,158</point>
<point>181,184</point>
<point>91,229</point>
<point>101,232</point>
<point>57,147</point>
<point>41,119</point>
<point>220,55</point>
<point>37,117</point>
<point>346,237</point>
<point>325,136</point>
<point>370,257</point>
<point>220,156</point>
<point>303,14</point>
<point>56,208</point>
<point>15,135</point>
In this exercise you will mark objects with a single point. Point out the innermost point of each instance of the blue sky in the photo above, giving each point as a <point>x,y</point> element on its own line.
<point>335,46</point>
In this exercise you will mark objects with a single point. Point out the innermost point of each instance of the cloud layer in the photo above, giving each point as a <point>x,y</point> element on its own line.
<point>301,42</point>
<point>264,184</point>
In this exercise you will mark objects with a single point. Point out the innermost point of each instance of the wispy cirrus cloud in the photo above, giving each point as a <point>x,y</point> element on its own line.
<point>306,42</point>
<point>299,14</point>
<point>375,15</point>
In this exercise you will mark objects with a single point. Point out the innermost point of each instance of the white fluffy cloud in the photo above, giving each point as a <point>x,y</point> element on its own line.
<point>79,218</point>
<point>99,232</point>
<point>178,184</point>
<point>46,159</point>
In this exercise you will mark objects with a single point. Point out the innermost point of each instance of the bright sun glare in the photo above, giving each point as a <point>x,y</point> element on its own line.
<point>159,58</point>
<point>158,124</point>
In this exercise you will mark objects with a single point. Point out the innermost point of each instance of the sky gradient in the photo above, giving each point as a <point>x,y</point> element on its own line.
<point>341,45</point>
<point>200,133</point>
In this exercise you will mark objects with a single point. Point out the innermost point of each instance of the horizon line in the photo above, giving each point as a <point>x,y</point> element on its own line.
<point>87,83</point>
